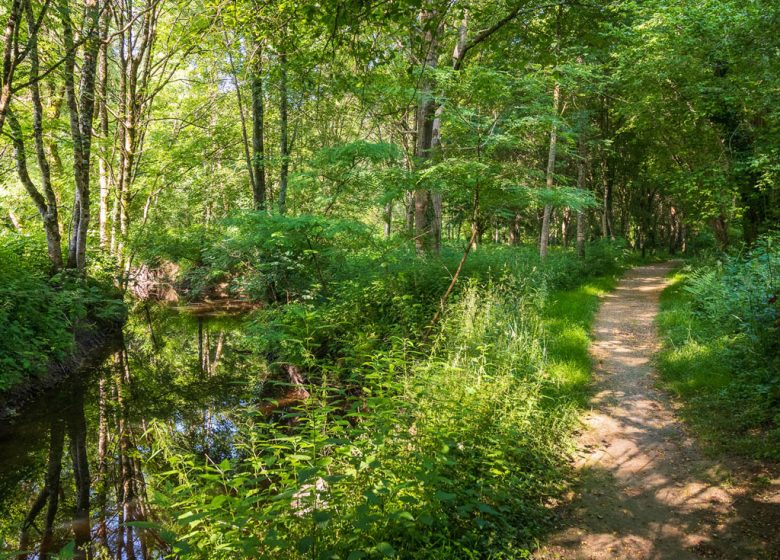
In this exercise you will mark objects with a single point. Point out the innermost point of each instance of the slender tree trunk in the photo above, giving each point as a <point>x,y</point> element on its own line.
<point>258,148</point>
<point>46,203</point>
<point>410,212</point>
<point>10,48</point>
<point>103,163</point>
<point>242,118</point>
<point>200,344</point>
<point>550,177</point>
<point>388,219</point>
<point>436,198</point>
<point>514,229</point>
<point>607,230</point>
<point>46,209</point>
<point>81,108</point>
<point>283,143</point>
<point>581,216</point>
<point>424,216</point>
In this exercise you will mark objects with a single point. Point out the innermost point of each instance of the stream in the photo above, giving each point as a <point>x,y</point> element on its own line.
<point>73,471</point>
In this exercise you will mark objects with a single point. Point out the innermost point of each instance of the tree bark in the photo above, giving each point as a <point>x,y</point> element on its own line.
<point>283,142</point>
<point>581,216</point>
<point>388,219</point>
<point>514,229</point>
<point>81,108</point>
<point>550,176</point>
<point>258,148</point>
<point>10,49</point>
<point>46,205</point>
<point>425,117</point>
<point>244,136</point>
<point>607,230</point>
<point>103,163</point>
<point>136,43</point>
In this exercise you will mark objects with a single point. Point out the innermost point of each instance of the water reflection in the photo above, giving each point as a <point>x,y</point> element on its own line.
<point>73,471</point>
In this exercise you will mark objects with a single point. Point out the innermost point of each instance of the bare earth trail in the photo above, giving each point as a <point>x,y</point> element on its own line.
<point>647,491</point>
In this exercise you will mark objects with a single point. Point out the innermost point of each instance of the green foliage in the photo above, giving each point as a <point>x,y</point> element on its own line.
<point>31,329</point>
<point>344,180</point>
<point>402,449</point>
<point>721,353</point>
<point>38,313</point>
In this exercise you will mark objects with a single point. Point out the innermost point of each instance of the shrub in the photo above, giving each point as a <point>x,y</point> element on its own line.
<point>38,313</point>
<point>722,351</point>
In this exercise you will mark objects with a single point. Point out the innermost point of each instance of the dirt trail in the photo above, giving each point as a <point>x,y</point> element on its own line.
<point>647,492</point>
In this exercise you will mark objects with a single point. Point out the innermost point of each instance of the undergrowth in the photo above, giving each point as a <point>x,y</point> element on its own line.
<point>448,448</point>
<point>40,313</point>
<point>721,352</point>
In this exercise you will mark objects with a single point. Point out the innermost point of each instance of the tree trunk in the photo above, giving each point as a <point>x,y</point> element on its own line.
<point>10,47</point>
<point>550,177</point>
<point>581,217</point>
<point>242,118</point>
<point>81,109</point>
<point>46,206</point>
<point>258,148</point>
<point>424,229</point>
<point>514,229</point>
<point>388,218</point>
<point>409,208</point>
<point>103,163</point>
<point>283,124</point>
<point>721,230</point>
<point>607,230</point>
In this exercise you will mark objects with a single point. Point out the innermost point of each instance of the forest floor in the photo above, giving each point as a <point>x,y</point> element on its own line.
<point>647,491</point>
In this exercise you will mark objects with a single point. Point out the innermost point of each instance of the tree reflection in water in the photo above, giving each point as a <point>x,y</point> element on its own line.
<point>74,464</point>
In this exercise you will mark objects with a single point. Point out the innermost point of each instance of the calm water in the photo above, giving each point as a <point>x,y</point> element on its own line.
<point>73,471</point>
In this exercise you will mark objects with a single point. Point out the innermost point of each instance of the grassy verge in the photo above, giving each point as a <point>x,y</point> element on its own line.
<point>721,374</point>
<point>568,319</point>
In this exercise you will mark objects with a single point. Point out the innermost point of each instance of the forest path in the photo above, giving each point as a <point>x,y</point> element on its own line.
<point>647,492</point>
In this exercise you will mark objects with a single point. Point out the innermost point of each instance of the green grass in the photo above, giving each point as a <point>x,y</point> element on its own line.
<point>568,318</point>
<point>718,382</point>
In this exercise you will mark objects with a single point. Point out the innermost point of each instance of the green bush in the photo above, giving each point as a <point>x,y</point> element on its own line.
<point>31,326</point>
<point>38,313</point>
<point>722,351</point>
<point>283,259</point>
